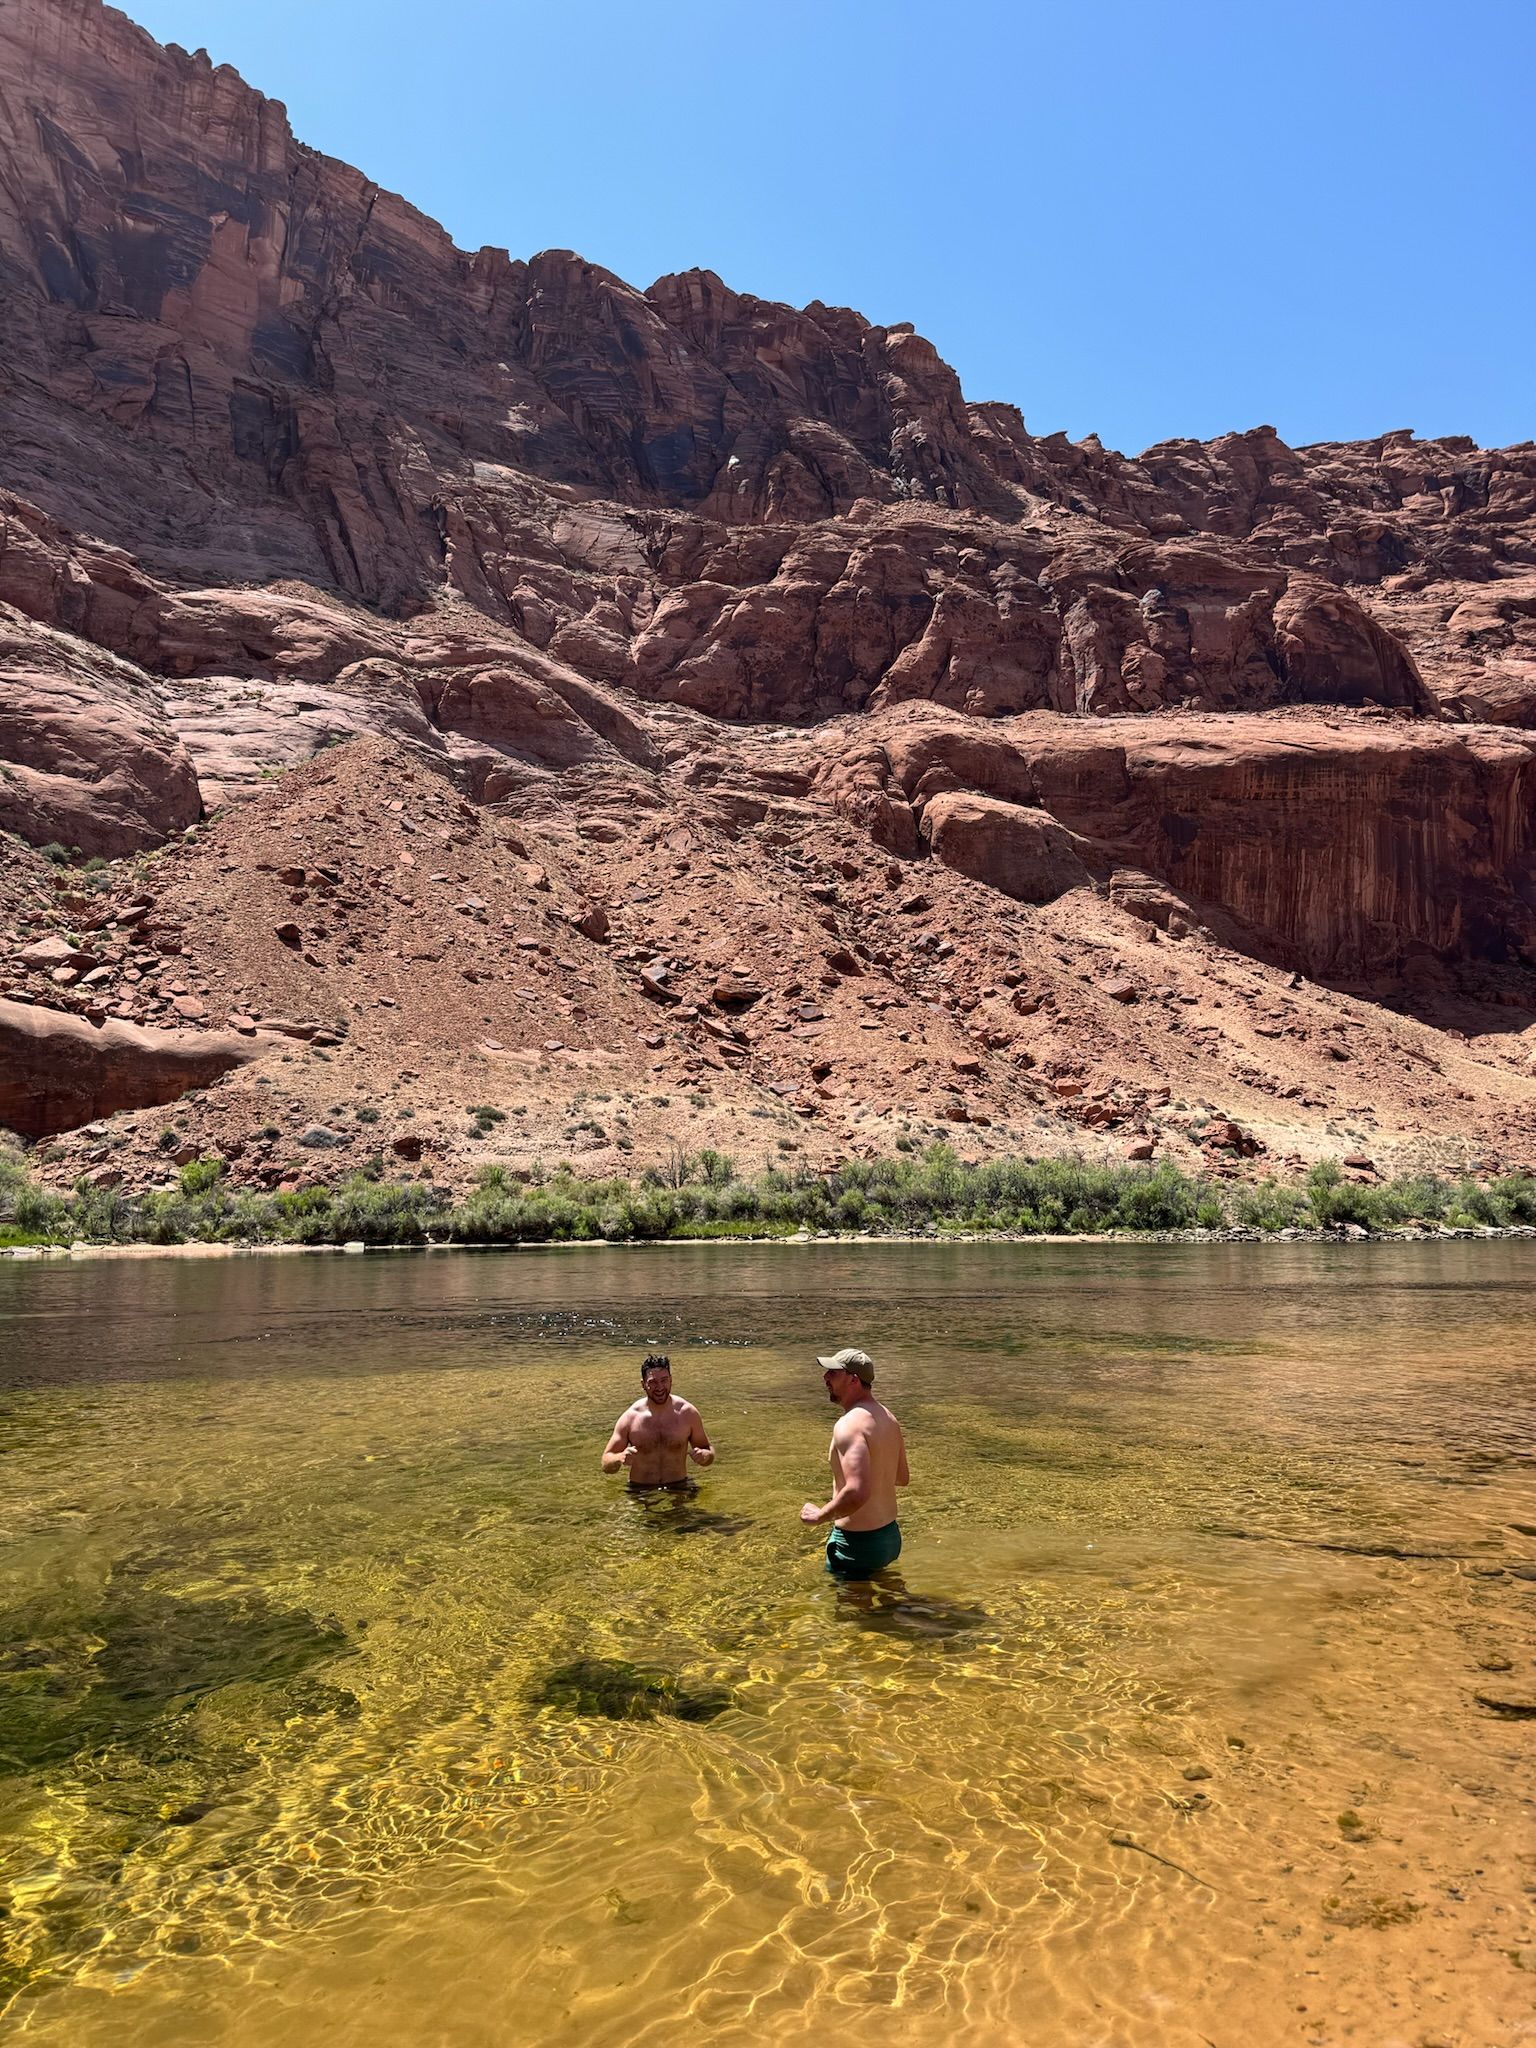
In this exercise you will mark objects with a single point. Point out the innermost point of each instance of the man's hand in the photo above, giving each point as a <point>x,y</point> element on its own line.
<point>631,1452</point>
<point>702,1454</point>
<point>810,1514</point>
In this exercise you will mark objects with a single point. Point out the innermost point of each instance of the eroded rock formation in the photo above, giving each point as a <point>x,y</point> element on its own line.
<point>58,1071</point>
<point>1345,850</point>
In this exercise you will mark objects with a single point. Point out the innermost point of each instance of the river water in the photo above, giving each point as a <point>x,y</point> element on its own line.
<point>343,1701</point>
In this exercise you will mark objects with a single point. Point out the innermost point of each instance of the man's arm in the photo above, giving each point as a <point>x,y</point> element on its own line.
<point>854,1489</point>
<point>700,1449</point>
<point>620,1452</point>
<point>903,1476</point>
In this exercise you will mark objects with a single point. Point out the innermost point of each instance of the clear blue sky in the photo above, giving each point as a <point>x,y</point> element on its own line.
<point>1141,218</point>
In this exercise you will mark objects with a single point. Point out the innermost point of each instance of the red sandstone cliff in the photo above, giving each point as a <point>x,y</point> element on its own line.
<point>279,464</point>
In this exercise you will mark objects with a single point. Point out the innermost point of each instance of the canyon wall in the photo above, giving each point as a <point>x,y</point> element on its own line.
<point>281,464</point>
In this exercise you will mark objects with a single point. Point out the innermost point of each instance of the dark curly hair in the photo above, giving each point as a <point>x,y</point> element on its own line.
<point>652,1360</point>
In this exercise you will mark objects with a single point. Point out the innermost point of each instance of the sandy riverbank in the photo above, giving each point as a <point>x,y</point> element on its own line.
<point>1351,1234</point>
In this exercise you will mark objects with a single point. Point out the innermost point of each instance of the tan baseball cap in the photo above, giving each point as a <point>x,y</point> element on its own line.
<point>859,1363</point>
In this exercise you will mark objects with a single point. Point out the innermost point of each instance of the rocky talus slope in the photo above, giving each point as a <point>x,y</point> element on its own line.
<point>664,717</point>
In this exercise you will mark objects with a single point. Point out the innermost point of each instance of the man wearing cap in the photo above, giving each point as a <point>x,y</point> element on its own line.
<point>869,1461</point>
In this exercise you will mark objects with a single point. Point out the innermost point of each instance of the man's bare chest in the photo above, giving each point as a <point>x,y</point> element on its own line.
<point>650,1431</point>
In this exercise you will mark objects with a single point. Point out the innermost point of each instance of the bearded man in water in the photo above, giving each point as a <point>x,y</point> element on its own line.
<point>653,1440</point>
<point>869,1461</point>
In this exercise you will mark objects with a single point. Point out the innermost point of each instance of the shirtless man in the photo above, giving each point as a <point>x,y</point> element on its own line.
<point>653,1440</point>
<point>869,1461</point>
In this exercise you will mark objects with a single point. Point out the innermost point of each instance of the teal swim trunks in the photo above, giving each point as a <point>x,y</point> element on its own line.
<point>860,1553</point>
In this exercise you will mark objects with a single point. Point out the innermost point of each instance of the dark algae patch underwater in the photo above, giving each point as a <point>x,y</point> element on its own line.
<point>129,1669</point>
<point>614,1690</point>
<point>153,1712</point>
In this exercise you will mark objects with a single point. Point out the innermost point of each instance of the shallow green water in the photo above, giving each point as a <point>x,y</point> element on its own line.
<point>344,1700</point>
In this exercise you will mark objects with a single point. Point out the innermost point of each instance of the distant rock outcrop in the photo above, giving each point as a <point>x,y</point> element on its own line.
<point>1409,853</point>
<point>58,1071</point>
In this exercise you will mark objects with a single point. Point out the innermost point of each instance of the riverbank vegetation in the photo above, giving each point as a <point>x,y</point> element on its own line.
<point>703,1195</point>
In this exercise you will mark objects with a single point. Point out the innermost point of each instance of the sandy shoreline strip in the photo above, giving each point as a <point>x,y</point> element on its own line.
<point>798,1240</point>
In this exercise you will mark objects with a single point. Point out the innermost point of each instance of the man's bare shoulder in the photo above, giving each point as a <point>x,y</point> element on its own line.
<point>682,1407</point>
<point>853,1422</point>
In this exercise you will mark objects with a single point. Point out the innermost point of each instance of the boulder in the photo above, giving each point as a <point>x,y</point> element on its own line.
<point>51,952</point>
<point>654,982</point>
<point>1341,849</point>
<point>734,992</point>
<point>1222,1135</point>
<point>1011,847</point>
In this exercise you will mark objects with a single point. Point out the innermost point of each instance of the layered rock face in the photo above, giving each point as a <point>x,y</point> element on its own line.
<point>279,464</point>
<point>1345,851</point>
<point>58,1071</point>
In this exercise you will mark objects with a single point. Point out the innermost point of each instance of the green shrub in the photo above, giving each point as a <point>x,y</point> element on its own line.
<point>737,1229</point>
<point>164,1216</point>
<point>38,1214</point>
<point>1269,1206</point>
<point>1349,1203</point>
<point>716,1168</point>
<point>702,1195</point>
<point>14,1179</point>
<point>28,1214</point>
<point>361,1209</point>
<point>1323,1183</point>
<point>1417,1197</point>
<point>102,1215</point>
<point>1161,1199</point>
<point>1481,1204</point>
